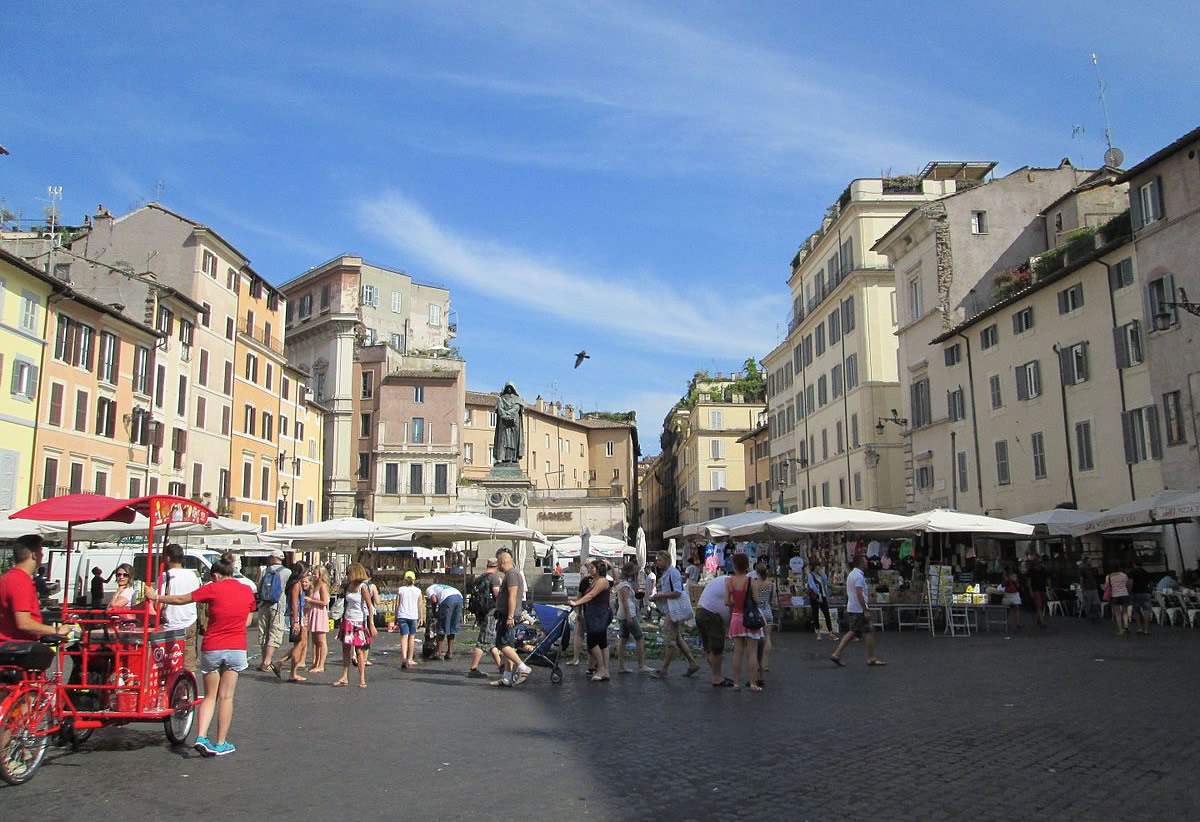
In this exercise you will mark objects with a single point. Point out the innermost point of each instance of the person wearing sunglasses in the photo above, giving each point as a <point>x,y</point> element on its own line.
<point>127,592</point>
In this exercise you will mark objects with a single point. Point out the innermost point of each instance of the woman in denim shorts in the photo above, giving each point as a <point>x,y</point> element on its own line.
<point>231,608</point>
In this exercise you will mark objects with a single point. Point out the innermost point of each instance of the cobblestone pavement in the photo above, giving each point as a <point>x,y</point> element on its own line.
<point>1070,723</point>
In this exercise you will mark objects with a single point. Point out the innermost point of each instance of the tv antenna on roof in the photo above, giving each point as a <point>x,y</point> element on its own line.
<point>1113,156</point>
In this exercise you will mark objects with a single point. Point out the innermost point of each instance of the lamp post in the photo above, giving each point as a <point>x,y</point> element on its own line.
<point>284,490</point>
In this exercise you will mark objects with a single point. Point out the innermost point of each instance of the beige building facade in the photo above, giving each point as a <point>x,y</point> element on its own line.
<point>835,374</point>
<point>950,256</point>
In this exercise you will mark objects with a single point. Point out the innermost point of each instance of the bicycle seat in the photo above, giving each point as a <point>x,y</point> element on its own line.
<point>32,656</point>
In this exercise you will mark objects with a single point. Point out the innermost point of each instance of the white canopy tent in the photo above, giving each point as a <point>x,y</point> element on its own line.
<point>945,521</point>
<point>824,519</point>
<point>599,546</point>
<point>1055,522</point>
<point>443,529</point>
<point>1165,506</point>
<point>344,534</point>
<point>640,547</point>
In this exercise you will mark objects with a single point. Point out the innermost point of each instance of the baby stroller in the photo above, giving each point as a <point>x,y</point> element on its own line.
<point>555,621</point>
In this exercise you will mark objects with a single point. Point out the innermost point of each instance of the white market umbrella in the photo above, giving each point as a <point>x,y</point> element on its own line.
<point>945,521</point>
<point>1055,522</point>
<point>344,533</point>
<point>671,533</point>
<point>443,529</point>
<point>1138,512</point>
<point>825,519</point>
<point>640,547</point>
<point>598,545</point>
<point>1179,509</point>
<point>722,526</point>
<point>585,545</point>
<point>16,528</point>
<point>671,552</point>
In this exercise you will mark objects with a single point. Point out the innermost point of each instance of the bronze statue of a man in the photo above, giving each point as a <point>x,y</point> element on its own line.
<point>509,446</point>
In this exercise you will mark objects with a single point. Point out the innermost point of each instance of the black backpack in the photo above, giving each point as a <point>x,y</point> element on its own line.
<point>482,599</point>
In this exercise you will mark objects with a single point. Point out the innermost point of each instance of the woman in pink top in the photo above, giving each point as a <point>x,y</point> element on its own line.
<point>1116,585</point>
<point>736,589</point>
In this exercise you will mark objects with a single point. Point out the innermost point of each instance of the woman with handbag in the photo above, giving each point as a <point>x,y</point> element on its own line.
<point>745,623</point>
<point>597,614</point>
<point>357,625</point>
<point>294,618</point>
<point>1116,590</point>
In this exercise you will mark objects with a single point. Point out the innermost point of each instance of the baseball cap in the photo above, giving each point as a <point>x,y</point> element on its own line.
<point>409,575</point>
<point>276,552</point>
<point>492,563</point>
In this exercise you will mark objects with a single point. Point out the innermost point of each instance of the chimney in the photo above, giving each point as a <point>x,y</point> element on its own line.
<point>540,403</point>
<point>570,412</point>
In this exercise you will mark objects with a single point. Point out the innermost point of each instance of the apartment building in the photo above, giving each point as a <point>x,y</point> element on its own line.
<point>950,256</point>
<point>335,309</point>
<point>163,270</point>
<point>256,454</point>
<point>25,293</point>
<point>834,376</point>
<point>757,447</point>
<point>95,433</point>
<point>710,468</point>
<point>300,451</point>
<point>409,413</point>
<point>1164,205</point>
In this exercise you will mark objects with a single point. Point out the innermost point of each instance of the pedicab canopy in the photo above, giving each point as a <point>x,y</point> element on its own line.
<point>161,510</point>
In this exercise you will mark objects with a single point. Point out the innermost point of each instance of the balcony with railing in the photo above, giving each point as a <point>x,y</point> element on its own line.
<point>51,491</point>
<point>259,335</point>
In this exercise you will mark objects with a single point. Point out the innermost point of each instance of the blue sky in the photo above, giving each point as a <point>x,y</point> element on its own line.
<point>629,178</point>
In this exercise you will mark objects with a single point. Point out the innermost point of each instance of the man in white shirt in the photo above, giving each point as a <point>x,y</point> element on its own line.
<point>649,588</point>
<point>712,623</point>
<point>177,580</point>
<point>676,609</point>
<point>859,613</point>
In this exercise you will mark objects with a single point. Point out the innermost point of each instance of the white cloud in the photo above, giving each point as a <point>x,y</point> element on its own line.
<point>636,307</point>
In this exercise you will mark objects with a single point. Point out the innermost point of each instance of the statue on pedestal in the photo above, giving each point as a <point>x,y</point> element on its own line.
<point>508,446</point>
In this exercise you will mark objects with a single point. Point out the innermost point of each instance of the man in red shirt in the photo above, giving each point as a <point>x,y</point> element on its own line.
<point>20,614</point>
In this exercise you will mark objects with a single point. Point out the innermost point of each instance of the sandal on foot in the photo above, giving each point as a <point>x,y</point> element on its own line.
<point>725,683</point>
<point>837,661</point>
<point>875,663</point>
<point>276,669</point>
<point>339,684</point>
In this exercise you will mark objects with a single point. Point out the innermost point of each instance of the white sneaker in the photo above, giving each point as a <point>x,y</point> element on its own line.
<point>818,636</point>
<point>521,674</point>
<point>646,669</point>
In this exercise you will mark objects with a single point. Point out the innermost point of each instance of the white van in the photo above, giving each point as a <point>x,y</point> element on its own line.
<point>106,557</point>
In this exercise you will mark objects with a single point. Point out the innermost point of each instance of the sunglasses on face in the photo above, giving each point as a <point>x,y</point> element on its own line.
<point>122,575</point>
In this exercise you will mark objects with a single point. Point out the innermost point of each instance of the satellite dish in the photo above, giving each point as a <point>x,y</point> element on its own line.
<point>1114,157</point>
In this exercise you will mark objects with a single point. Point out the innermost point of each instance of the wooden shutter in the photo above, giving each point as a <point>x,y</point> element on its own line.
<point>1022,383</point>
<point>1127,434</point>
<point>1160,200</point>
<point>1016,323</point>
<point>1135,208</point>
<point>1083,370</point>
<point>1121,347</point>
<point>1152,426</point>
<point>31,387</point>
<point>1037,378</point>
<point>1064,303</point>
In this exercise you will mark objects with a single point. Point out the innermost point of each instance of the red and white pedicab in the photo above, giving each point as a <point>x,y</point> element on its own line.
<point>124,667</point>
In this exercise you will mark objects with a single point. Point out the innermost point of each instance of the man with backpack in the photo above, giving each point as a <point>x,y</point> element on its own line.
<point>271,606</point>
<point>483,607</point>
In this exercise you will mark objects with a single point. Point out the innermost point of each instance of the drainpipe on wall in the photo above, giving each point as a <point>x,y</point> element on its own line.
<point>974,422</point>
<point>953,471</point>
<point>1112,311</point>
<point>1062,392</point>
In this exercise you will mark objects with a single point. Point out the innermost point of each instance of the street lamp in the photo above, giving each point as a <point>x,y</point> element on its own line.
<point>284,490</point>
<point>1163,319</point>
<point>895,419</point>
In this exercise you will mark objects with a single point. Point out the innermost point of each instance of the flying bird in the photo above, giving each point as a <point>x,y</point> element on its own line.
<point>580,357</point>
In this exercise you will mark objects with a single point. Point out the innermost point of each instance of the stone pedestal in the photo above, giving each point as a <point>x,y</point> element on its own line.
<point>506,494</point>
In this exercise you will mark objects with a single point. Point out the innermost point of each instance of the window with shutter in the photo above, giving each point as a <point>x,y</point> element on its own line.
<point>56,404</point>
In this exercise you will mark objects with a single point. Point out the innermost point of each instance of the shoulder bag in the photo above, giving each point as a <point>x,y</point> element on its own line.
<point>679,608</point>
<point>752,618</point>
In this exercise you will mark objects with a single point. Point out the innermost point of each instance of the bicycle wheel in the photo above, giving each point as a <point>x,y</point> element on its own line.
<point>183,713</point>
<point>24,735</point>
